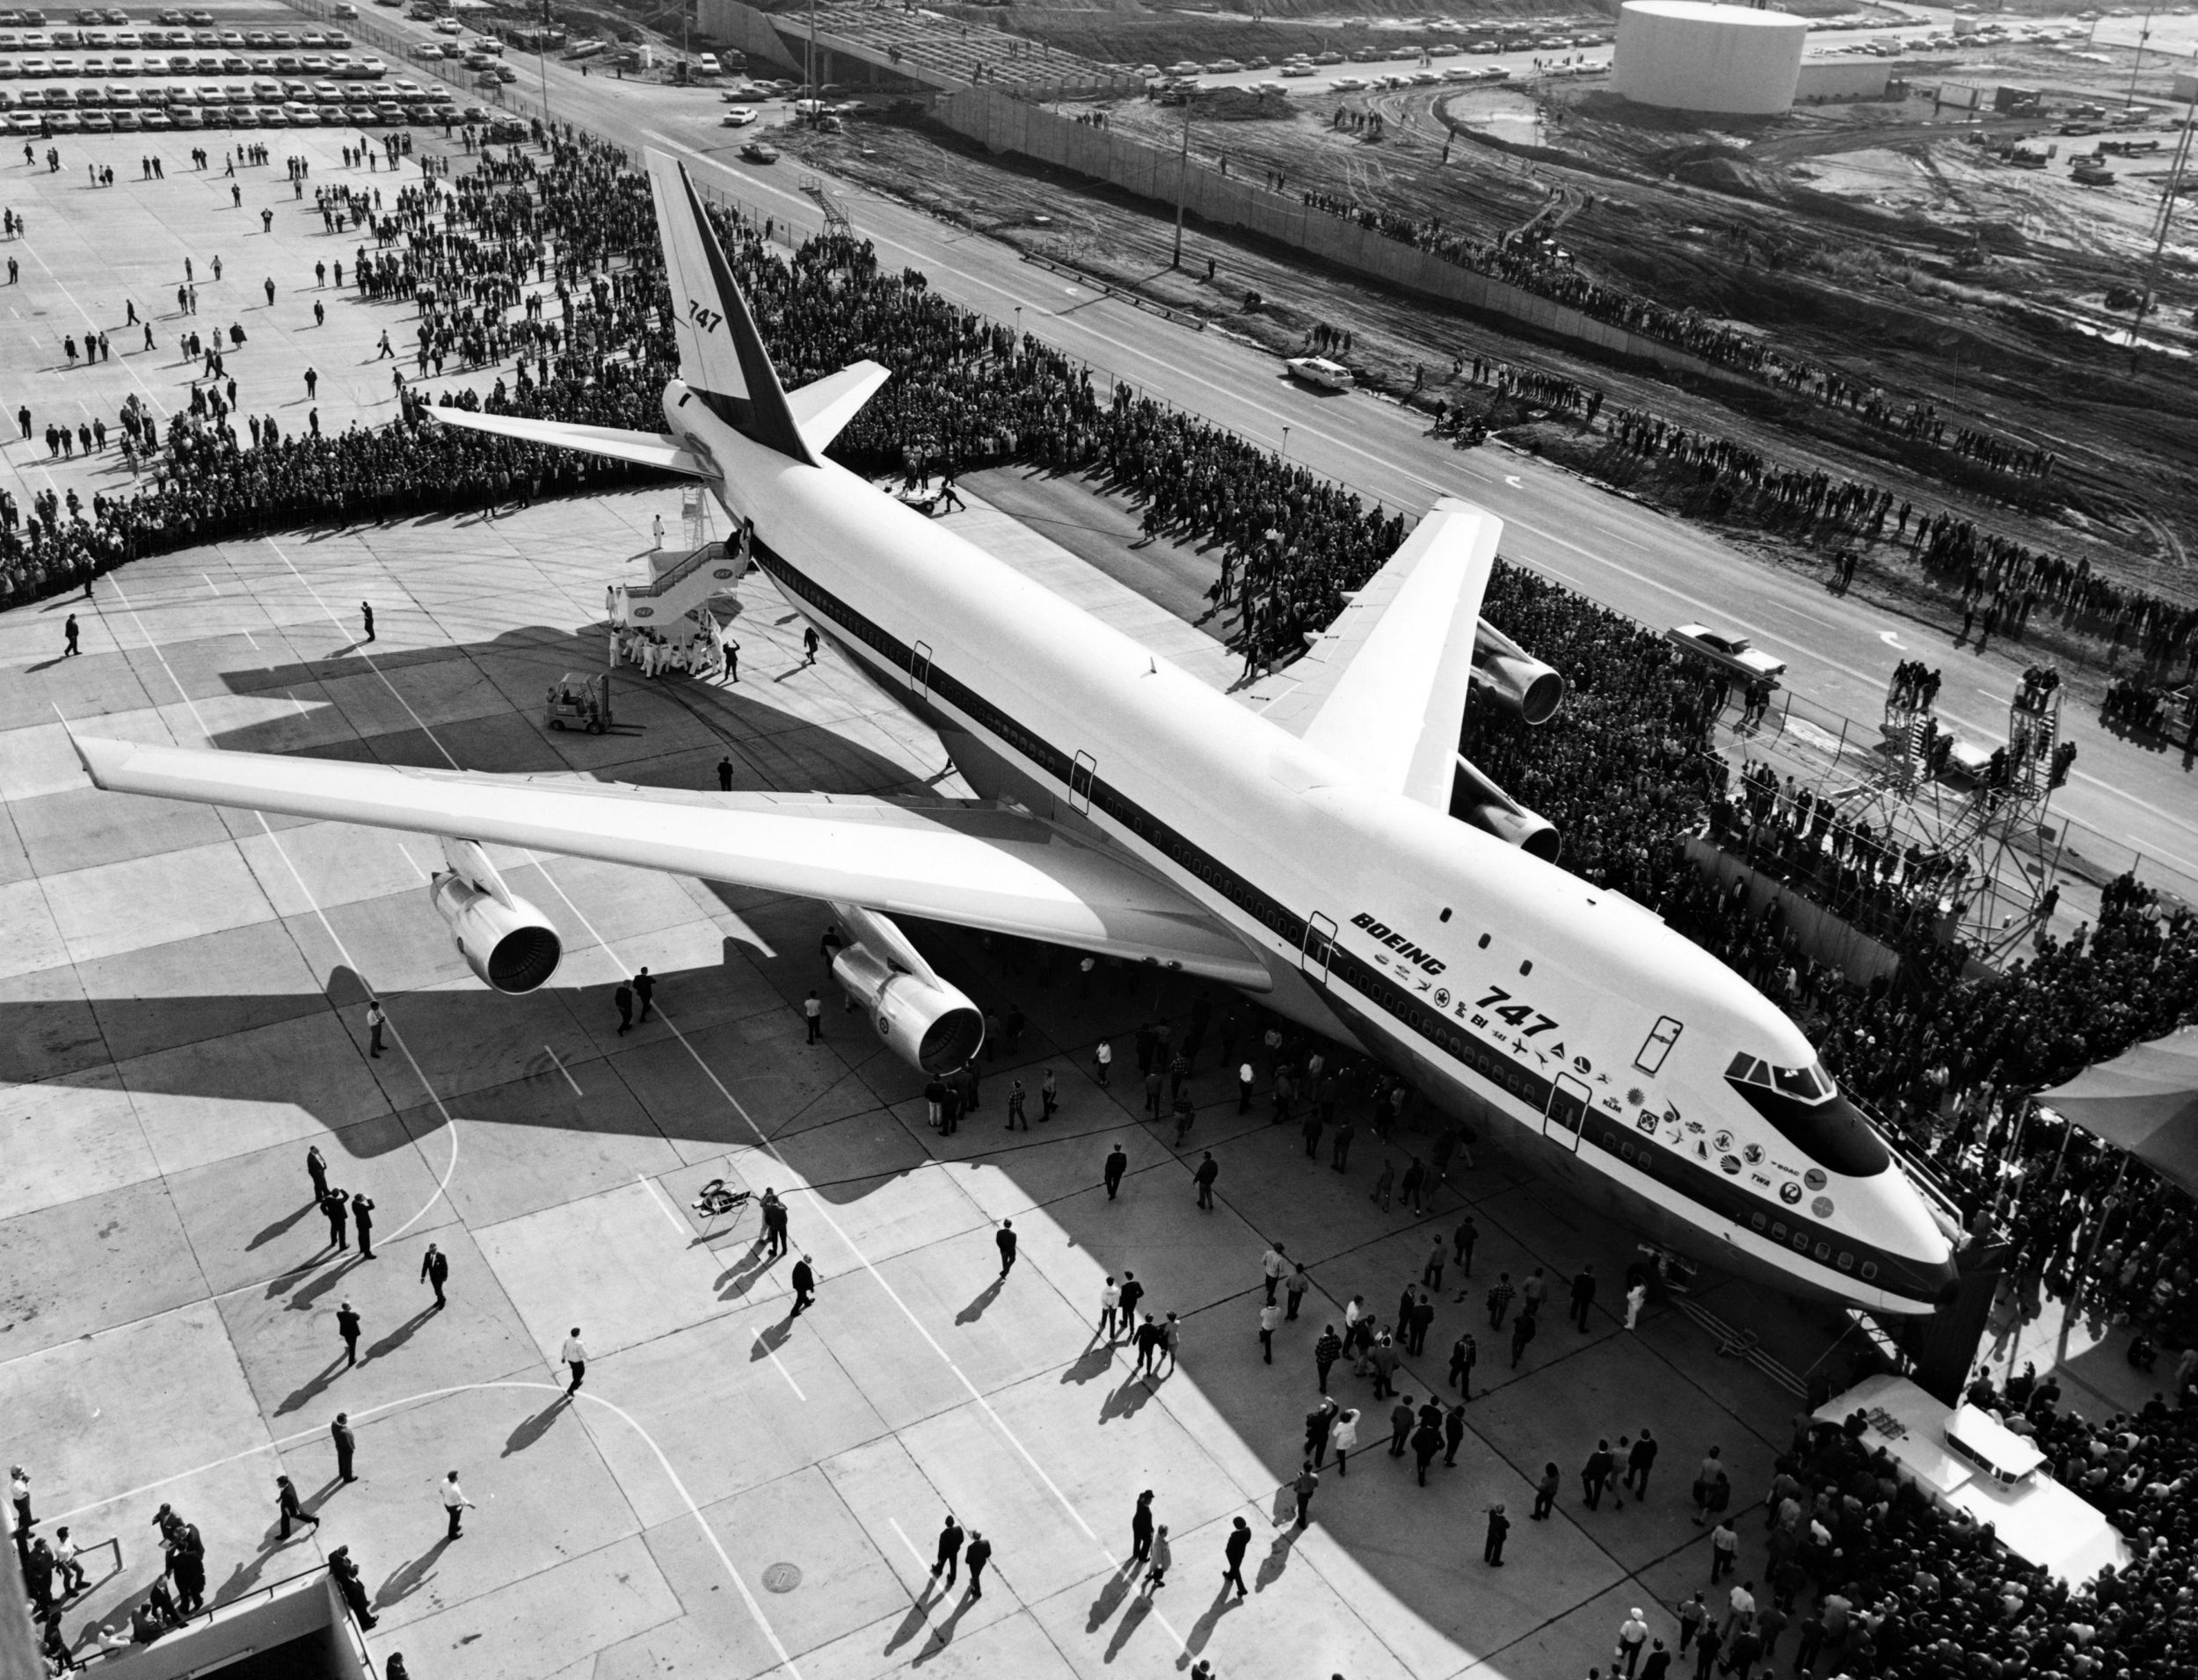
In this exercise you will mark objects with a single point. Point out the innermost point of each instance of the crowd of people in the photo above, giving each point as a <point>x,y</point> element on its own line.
<point>1627,772</point>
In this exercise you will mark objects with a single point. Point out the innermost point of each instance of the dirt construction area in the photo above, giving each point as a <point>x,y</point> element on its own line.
<point>1904,244</point>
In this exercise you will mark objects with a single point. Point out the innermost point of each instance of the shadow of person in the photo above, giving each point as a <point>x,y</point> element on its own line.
<point>1202,1630</point>
<point>1127,1401</point>
<point>743,1275</point>
<point>1277,1557</point>
<point>942,1633</point>
<point>1111,1595</point>
<point>975,1310</point>
<point>321,1281</point>
<point>268,1233</point>
<point>313,1385</point>
<point>403,1334</point>
<point>1095,1363</point>
<point>1140,1607</point>
<point>533,1428</point>
<point>918,1618</point>
<point>771,1338</point>
<point>409,1578</point>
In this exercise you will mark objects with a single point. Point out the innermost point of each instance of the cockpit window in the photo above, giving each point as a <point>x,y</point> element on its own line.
<point>1809,1112</point>
<point>1809,1084</point>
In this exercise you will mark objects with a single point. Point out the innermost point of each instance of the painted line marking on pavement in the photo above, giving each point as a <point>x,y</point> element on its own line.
<point>561,1067</point>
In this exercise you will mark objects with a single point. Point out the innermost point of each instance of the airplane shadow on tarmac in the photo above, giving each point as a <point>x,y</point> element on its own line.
<point>868,1131</point>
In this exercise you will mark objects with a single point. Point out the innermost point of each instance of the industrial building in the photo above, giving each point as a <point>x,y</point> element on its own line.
<point>1691,55</point>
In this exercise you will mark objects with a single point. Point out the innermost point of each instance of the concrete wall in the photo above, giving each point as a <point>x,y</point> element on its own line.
<point>1822,935</point>
<point>1842,78</point>
<point>1003,124</point>
<point>296,1608</point>
<point>745,29</point>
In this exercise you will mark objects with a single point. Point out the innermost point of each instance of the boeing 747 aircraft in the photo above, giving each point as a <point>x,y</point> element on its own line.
<point>1329,852</point>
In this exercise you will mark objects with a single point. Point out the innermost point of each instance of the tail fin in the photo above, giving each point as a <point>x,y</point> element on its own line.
<point>722,356</point>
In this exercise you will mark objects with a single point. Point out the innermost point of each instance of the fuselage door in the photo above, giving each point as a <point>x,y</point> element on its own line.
<point>1319,945</point>
<point>1080,775</point>
<point>1568,1112</point>
<point>920,670</point>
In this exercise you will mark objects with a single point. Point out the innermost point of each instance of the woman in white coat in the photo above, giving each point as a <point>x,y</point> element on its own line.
<point>1343,1437</point>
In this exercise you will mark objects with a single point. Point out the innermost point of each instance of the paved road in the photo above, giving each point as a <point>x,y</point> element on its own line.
<point>1659,569</point>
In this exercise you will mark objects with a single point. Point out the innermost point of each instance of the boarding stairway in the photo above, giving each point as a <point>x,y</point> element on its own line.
<point>682,584</point>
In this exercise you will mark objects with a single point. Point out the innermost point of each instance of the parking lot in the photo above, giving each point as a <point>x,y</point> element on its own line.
<point>108,72</point>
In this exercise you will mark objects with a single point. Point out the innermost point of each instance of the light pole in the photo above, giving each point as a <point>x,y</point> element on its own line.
<point>542,43</point>
<point>1285,443</point>
<point>2144,33</point>
<point>1182,173</point>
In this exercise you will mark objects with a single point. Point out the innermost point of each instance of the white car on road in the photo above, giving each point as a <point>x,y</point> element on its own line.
<point>1731,652</point>
<point>1318,370</point>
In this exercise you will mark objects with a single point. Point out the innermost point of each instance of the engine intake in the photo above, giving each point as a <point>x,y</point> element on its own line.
<point>925,1022</point>
<point>508,943</point>
<point>1513,677</point>
<point>1475,799</point>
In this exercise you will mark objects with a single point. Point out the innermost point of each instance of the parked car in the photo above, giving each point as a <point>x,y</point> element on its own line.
<point>1730,652</point>
<point>756,152</point>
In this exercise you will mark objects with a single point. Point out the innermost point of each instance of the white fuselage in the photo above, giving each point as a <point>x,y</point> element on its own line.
<point>1509,991</point>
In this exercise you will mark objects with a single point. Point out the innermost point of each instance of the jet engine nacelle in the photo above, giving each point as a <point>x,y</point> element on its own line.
<point>925,1022</point>
<point>509,945</point>
<point>1514,678</point>
<point>1475,799</point>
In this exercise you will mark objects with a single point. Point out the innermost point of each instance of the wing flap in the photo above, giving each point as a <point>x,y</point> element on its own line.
<point>650,448</point>
<point>975,866</point>
<point>1383,689</point>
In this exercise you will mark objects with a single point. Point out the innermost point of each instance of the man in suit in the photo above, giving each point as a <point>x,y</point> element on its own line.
<point>804,1281</point>
<point>1141,1527</point>
<point>1499,1525</point>
<point>977,1556</point>
<point>435,1267</point>
<point>1240,1541</point>
<point>317,1169</point>
<point>339,1431</point>
<point>362,1220</point>
<point>949,1550</point>
<point>348,1326</point>
<point>1005,1237</point>
<point>335,1208</point>
<point>1118,1164</point>
<point>288,1509</point>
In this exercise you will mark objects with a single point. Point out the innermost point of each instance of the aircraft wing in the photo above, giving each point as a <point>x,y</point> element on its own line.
<point>650,448</point>
<point>1383,689</point>
<point>974,865</point>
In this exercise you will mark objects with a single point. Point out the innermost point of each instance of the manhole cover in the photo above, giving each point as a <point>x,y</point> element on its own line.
<point>781,1577</point>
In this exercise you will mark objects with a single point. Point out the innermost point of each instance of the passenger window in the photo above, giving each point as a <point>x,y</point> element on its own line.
<point>1869,1269</point>
<point>1778,1232</point>
<point>1846,1263</point>
<point>1484,942</point>
<point>1823,1251</point>
<point>1759,1221</point>
<point>1661,1036</point>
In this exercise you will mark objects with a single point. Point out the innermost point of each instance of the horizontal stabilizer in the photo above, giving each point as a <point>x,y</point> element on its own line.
<point>649,448</point>
<point>823,407</point>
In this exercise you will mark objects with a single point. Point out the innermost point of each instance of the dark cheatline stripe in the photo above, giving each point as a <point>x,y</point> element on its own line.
<point>1707,1190</point>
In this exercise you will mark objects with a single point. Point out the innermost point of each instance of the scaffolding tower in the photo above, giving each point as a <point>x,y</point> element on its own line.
<point>1977,817</point>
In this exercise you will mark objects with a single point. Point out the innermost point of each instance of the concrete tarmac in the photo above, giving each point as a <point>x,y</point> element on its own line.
<point>182,996</point>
